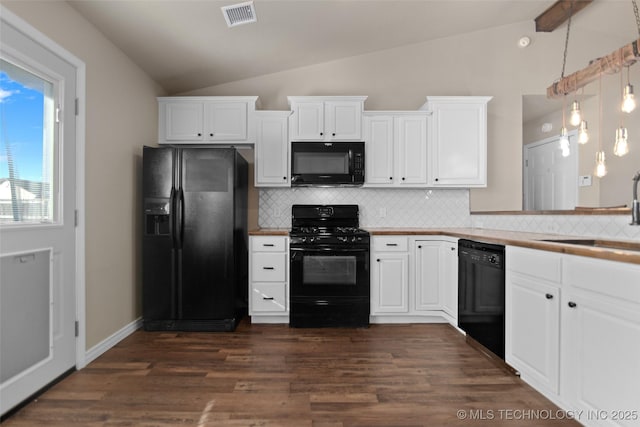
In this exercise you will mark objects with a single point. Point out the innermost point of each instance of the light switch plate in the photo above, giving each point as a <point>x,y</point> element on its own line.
<point>584,181</point>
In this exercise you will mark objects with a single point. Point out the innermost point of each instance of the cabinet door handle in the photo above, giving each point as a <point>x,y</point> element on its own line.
<point>199,134</point>
<point>453,249</point>
<point>390,178</point>
<point>333,134</point>
<point>419,246</point>
<point>572,304</point>
<point>267,245</point>
<point>378,260</point>
<point>267,298</point>
<point>403,178</point>
<point>267,268</point>
<point>284,177</point>
<point>210,134</point>
<point>436,179</point>
<point>549,296</point>
<point>321,133</point>
<point>392,244</point>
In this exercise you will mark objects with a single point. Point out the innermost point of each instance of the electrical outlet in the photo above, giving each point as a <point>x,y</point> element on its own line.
<point>276,213</point>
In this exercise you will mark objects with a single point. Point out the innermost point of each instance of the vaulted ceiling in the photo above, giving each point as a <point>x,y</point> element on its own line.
<point>186,45</point>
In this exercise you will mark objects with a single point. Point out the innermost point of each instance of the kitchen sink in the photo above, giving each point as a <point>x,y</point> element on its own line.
<point>597,243</point>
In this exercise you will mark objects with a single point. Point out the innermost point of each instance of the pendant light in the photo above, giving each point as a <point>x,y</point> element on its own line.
<point>601,166</point>
<point>621,146</point>
<point>576,115</point>
<point>564,135</point>
<point>583,133</point>
<point>628,99</point>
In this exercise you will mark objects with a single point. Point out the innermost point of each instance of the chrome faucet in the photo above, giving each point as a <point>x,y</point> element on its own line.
<point>635,207</point>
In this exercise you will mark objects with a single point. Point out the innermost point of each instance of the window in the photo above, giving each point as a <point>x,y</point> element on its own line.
<point>27,147</point>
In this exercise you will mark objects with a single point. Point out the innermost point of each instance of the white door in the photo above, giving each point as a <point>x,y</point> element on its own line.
<point>551,180</point>
<point>427,276</point>
<point>37,230</point>
<point>411,143</point>
<point>380,148</point>
<point>390,287</point>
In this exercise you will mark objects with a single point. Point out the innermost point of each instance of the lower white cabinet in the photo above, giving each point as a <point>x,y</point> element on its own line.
<point>268,279</point>
<point>414,279</point>
<point>389,275</point>
<point>573,332</point>
<point>532,318</point>
<point>600,348</point>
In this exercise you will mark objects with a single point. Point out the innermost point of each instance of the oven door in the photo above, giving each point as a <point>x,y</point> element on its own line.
<point>329,271</point>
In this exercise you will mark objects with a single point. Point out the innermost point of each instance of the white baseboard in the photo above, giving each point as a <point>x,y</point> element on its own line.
<point>97,350</point>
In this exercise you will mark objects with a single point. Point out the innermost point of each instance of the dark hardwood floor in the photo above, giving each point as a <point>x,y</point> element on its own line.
<point>271,375</point>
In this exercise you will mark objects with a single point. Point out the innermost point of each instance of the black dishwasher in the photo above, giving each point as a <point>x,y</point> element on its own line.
<point>481,293</point>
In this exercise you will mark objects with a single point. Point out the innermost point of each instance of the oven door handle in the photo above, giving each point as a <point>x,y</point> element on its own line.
<point>341,250</point>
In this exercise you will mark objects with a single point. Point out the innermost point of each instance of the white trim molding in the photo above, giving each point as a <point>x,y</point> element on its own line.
<point>97,350</point>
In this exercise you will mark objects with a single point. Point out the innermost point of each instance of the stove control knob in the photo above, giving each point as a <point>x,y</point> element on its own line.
<point>312,239</point>
<point>303,239</point>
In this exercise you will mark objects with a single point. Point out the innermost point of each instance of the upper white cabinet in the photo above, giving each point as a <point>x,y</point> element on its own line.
<point>396,148</point>
<point>272,149</point>
<point>458,141</point>
<point>206,119</point>
<point>326,118</point>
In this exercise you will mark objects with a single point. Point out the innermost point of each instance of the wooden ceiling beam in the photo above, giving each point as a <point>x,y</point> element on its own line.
<point>558,13</point>
<point>625,56</point>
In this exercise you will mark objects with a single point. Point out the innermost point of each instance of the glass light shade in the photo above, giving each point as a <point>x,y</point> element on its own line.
<point>583,133</point>
<point>601,167</point>
<point>564,143</point>
<point>628,99</point>
<point>576,114</point>
<point>621,147</point>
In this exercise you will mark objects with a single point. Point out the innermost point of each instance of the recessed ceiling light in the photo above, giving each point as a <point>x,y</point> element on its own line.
<point>524,41</point>
<point>238,14</point>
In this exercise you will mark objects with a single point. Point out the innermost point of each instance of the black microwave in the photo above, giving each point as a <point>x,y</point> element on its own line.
<point>327,164</point>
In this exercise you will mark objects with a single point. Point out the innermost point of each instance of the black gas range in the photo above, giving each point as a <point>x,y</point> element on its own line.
<point>329,267</point>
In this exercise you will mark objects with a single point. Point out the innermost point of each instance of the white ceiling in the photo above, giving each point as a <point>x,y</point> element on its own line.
<point>186,45</point>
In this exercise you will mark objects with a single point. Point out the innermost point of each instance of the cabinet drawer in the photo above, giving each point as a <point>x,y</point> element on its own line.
<point>614,279</point>
<point>268,243</point>
<point>268,297</point>
<point>268,267</point>
<point>390,244</point>
<point>540,264</point>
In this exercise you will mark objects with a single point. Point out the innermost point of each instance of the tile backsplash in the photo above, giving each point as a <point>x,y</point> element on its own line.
<point>378,207</point>
<point>600,226</point>
<point>433,209</point>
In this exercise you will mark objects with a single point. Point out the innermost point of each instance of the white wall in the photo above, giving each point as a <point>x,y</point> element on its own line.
<point>121,116</point>
<point>482,63</point>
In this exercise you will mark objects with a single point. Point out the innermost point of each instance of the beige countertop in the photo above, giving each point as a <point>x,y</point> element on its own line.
<point>514,238</point>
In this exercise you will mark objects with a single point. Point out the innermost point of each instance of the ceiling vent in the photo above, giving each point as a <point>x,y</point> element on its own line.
<point>238,14</point>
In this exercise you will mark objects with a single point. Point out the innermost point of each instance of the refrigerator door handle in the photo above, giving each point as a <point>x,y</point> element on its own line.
<point>172,213</point>
<point>180,218</point>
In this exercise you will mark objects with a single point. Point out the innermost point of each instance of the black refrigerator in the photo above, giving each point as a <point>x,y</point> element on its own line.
<point>194,245</point>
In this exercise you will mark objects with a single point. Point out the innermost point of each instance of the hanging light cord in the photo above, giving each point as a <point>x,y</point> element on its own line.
<point>566,40</point>
<point>635,11</point>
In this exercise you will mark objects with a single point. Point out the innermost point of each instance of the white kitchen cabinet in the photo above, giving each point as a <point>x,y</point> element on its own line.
<point>389,274</point>
<point>532,316</point>
<point>458,141</point>
<point>448,268</point>
<point>206,119</point>
<point>396,148</point>
<point>268,279</point>
<point>413,279</point>
<point>600,365</point>
<point>428,285</point>
<point>272,149</point>
<point>326,118</point>
<point>573,332</point>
